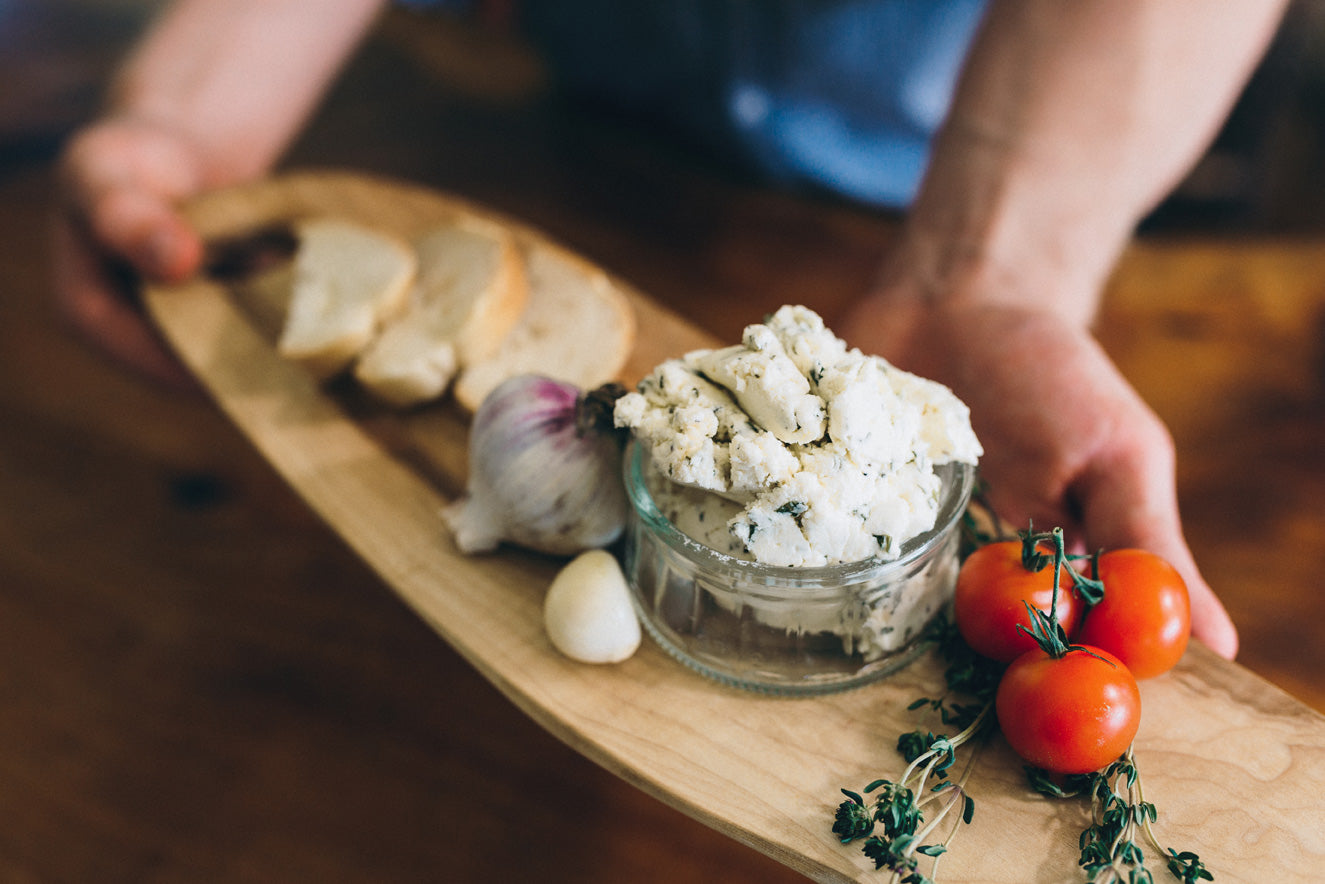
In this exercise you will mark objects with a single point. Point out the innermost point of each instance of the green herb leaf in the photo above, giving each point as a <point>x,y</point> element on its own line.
<point>852,820</point>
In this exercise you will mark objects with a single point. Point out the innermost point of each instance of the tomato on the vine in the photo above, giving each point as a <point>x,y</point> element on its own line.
<point>1145,617</point>
<point>1071,714</point>
<point>992,588</point>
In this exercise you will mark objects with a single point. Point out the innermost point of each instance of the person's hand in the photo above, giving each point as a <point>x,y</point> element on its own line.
<point>120,182</point>
<point>1068,442</point>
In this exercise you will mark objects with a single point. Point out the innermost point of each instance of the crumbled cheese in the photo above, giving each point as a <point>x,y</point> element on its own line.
<point>768,386</point>
<point>830,453</point>
<point>879,620</point>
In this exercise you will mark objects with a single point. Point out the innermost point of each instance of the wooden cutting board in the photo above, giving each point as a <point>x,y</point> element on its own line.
<point>1235,766</point>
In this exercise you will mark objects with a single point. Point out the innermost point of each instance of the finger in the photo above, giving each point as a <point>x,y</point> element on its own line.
<point>147,231</point>
<point>1128,499</point>
<point>1211,622</point>
<point>1023,494</point>
<point>124,177</point>
<point>99,309</point>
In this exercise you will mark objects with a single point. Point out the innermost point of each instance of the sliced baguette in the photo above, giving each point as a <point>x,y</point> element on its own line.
<point>347,279</point>
<point>468,293</point>
<point>577,327</point>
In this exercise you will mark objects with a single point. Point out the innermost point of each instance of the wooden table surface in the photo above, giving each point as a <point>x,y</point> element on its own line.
<point>201,683</point>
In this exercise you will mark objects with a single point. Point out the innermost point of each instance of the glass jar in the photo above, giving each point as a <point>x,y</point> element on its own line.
<point>779,629</point>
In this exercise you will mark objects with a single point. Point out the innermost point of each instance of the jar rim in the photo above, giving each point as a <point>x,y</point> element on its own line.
<point>957,479</point>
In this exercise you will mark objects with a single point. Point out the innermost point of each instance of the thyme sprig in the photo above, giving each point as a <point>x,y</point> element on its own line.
<point>1119,813</point>
<point>893,824</point>
<point>968,677</point>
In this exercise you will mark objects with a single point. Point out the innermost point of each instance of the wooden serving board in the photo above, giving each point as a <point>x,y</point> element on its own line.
<point>1235,766</point>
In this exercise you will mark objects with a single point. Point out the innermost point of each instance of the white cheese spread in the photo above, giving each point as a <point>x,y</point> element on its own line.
<point>826,455</point>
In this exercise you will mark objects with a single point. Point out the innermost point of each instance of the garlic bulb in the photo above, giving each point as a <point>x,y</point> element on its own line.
<point>544,470</point>
<point>588,613</point>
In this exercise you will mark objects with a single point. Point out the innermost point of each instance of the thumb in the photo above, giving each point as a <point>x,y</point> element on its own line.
<point>91,300</point>
<point>1128,499</point>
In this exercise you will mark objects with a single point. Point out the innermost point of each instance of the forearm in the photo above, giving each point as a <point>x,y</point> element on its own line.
<point>1071,120</point>
<point>239,77</point>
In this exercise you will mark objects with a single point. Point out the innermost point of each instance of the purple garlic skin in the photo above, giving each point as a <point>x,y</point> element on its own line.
<point>543,473</point>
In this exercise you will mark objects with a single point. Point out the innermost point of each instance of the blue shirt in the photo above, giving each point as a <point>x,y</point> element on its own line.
<point>842,94</point>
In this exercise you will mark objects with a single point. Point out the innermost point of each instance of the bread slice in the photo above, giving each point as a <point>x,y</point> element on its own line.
<point>577,327</point>
<point>468,293</point>
<point>347,279</point>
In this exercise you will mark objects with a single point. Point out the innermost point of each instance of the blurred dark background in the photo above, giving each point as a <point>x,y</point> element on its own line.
<point>1263,173</point>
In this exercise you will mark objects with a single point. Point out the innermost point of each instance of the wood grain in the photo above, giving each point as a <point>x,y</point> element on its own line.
<point>1235,764</point>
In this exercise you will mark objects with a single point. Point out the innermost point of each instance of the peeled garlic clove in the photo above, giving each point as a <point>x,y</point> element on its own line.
<point>587,611</point>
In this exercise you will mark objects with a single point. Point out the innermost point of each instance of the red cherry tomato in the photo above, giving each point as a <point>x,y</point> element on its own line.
<point>1068,715</point>
<point>1145,618</point>
<point>991,588</point>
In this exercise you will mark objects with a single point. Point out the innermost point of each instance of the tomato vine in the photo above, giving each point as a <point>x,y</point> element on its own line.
<point>889,820</point>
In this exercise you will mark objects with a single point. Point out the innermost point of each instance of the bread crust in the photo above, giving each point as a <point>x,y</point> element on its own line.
<point>577,327</point>
<point>470,291</point>
<point>494,316</point>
